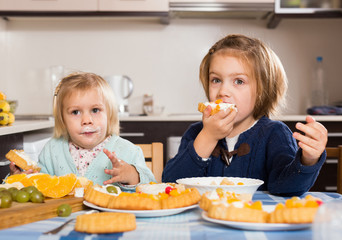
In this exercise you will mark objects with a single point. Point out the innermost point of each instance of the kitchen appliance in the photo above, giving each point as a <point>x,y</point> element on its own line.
<point>123,88</point>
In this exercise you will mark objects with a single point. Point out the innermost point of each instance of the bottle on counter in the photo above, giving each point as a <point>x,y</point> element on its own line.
<point>319,96</point>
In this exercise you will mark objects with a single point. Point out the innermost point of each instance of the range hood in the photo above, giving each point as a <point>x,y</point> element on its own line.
<point>221,8</point>
<point>305,9</point>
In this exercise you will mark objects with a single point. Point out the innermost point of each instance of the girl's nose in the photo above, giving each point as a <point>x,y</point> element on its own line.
<point>224,91</point>
<point>87,119</point>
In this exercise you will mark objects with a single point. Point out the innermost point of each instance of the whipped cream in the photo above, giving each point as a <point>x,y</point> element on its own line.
<point>103,189</point>
<point>223,106</point>
<point>27,158</point>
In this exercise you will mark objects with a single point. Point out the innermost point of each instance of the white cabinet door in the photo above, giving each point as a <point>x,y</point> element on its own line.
<point>48,5</point>
<point>134,5</point>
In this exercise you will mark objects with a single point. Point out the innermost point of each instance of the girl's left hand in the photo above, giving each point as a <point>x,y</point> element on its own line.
<point>314,141</point>
<point>121,172</point>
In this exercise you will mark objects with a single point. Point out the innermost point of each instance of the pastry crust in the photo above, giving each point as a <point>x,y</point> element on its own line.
<point>105,222</point>
<point>293,215</point>
<point>97,197</point>
<point>231,213</point>
<point>22,160</point>
<point>134,201</point>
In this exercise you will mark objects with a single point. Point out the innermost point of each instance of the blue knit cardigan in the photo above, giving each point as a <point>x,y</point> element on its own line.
<point>274,157</point>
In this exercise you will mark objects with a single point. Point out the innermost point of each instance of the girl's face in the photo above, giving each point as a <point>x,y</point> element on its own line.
<point>230,80</point>
<point>85,117</point>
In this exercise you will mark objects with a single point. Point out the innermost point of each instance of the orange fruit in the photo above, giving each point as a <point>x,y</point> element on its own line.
<point>15,178</point>
<point>82,182</point>
<point>29,179</point>
<point>45,183</point>
<point>57,187</point>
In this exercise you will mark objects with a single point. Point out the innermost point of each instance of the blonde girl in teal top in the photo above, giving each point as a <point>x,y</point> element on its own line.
<point>86,136</point>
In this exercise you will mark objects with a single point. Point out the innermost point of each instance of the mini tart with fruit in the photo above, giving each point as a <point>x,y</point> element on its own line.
<point>296,210</point>
<point>101,195</point>
<point>155,197</point>
<point>219,195</point>
<point>239,211</point>
<point>216,106</point>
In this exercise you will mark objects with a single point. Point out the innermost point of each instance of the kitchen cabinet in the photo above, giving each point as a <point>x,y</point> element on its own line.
<point>85,5</point>
<point>140,131</point>
<point>134,5</point>
<point>48,5</point>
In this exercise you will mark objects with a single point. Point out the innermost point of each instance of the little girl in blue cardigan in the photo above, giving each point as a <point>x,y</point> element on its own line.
<point>245,142</point>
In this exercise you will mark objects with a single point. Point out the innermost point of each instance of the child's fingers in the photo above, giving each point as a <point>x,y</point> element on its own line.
<point>112,157</point>
<point>112,180</point>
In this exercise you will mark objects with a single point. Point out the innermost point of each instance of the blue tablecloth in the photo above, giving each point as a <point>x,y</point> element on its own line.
<point>186,225</point>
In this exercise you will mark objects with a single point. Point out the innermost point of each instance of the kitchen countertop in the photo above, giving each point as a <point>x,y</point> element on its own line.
<point>32,125</point>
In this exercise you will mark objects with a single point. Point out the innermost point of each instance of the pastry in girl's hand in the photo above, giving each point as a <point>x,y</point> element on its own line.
<point>216,106</point>
<point>22,160</point>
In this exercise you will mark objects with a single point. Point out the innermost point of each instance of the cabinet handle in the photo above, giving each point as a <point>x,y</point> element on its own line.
<point>4,163</point>
<point>331,161</point>
<point>139,134</point>
<point>330,188</point>
<point>335,134</point>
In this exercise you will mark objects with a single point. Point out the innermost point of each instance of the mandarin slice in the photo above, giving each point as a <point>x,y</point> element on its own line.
<point>15,178</point>
<point>64,186</point>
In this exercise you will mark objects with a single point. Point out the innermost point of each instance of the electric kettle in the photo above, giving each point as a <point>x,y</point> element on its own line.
<point>123,88</point>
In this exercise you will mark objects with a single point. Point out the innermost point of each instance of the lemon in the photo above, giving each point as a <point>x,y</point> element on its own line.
<point>4,118</point>
<point>4,106</point>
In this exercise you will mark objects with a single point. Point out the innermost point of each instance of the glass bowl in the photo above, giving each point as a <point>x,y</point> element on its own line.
<point>154,110</point>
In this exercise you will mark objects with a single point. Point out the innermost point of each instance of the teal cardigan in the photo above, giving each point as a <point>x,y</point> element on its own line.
<point>55,159</point>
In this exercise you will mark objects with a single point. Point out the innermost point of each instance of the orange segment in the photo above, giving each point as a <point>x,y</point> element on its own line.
<point>15,178</point>
<point>63,187</point>
<point>29,179</point>
<point>46,183</point>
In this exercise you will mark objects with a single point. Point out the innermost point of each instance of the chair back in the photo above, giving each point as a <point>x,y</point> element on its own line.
<point>336,152</point>
<point>153,154</point>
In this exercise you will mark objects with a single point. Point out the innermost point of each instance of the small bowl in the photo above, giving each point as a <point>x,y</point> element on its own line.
<point>154,110</point>
<point>205,184</point>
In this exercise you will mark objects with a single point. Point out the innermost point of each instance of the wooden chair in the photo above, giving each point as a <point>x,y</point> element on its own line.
<point>336,152</point>
<point>153,154</point>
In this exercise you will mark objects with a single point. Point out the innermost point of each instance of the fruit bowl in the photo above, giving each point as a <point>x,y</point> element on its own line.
<point>206,184</point>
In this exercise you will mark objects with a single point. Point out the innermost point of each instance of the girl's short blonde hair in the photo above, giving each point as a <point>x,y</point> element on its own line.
<point>265,67</point>
<point>81,81</point>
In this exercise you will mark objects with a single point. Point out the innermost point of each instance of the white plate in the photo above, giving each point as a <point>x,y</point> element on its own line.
<point>144,213</point>
<point>258,226</point>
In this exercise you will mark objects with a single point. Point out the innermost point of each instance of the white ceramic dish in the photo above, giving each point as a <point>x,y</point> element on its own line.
<point>205,184</point>
<point>257,226</point>
<point>143,213</point>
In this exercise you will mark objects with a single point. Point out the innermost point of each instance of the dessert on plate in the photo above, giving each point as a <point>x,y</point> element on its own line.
<point>101,195</point>
<point>296,210</point>
<point>153,196</point>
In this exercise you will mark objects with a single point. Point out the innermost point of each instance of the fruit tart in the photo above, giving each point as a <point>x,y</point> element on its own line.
<point>296,210</point>
<point>155,196</point>
<point>216,106</point>
<point>101,195</point>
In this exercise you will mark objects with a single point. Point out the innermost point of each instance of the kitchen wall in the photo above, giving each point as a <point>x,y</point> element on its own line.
<point>162,60</point>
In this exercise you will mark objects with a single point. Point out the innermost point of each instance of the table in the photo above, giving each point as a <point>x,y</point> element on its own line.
<point>187,225</point>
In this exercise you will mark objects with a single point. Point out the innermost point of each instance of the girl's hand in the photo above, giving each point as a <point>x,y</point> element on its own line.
<point>16,170</point>
<point>121,172</point>
<point>313,142</point>
<point>215,127</point>
<point>219,125</point>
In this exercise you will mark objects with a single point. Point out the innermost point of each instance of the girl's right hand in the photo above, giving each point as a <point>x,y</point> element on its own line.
<point>215,127</point>
<point>219,125</point>
<point>16,170</point>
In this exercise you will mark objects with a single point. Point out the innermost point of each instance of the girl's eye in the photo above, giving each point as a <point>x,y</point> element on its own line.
<point>96,110</point>
<point>238,81</point>
<point>75,112</point>
<point>215,80</point>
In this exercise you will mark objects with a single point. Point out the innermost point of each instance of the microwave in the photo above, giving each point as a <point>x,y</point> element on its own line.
<point>307,6</point>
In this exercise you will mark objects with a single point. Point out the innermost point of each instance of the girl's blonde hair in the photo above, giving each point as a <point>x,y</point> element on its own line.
<point>81,81</point>
<point>265,67</point>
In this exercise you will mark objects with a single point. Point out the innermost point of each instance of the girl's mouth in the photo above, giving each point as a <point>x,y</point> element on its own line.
<point>88,130</point>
